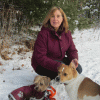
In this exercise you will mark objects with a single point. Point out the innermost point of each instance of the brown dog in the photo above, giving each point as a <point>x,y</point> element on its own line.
<point>32,92</point>
<point>77,86</point>
<point>41,83</point>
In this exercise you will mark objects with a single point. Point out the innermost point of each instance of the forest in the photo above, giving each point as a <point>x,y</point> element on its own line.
<point>19,15</point>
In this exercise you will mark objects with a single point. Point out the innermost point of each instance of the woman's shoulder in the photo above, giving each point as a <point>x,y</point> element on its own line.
<point>68,33</point>
<point>44,31</point>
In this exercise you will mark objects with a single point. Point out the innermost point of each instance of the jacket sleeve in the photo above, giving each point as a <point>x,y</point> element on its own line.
<point>40,53</point>
<point>72,52</point>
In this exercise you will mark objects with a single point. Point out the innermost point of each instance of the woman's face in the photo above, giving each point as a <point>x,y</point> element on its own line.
<point>56,19</point>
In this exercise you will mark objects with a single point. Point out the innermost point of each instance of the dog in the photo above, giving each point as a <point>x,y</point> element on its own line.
<point>77,85</point>
<point>32,92</point>
<point>41,83</point>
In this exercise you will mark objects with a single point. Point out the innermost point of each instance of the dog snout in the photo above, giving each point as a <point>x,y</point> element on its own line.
<point>57,79</point>
<point>36,88</point>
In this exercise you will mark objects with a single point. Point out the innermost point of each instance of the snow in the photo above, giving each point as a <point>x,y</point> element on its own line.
<point>19,72</point>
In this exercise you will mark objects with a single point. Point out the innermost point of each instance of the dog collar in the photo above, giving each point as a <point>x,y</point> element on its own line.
<point>65,84</point>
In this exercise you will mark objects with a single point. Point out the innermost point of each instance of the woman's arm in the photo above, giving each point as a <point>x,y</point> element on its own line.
<point>40,52</point>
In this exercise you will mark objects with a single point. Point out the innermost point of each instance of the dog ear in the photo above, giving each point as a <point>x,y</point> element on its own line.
<point>72,65</point>
<point>36,79</point>
<point>47,81</point>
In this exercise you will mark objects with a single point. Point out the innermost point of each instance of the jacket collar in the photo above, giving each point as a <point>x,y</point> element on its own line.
<point>51,29</point>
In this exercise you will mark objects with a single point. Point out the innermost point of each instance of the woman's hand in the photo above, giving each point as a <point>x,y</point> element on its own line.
<point>75,61</point>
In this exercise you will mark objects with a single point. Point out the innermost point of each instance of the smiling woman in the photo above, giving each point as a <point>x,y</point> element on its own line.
<point>56,14</point>
<point>56,19</point>
<point>53,42</point>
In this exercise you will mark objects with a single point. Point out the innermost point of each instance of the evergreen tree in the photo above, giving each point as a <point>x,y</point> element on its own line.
<point>79,12</point>
<point>91,13</point>
<point>74,13</point>
<point>34,9</point>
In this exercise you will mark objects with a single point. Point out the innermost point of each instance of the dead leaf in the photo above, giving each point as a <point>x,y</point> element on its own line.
<point>22,65</point>
<point>0,64</point>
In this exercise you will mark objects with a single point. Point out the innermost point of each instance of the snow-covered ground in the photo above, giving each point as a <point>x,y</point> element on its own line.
<point>18,71</point>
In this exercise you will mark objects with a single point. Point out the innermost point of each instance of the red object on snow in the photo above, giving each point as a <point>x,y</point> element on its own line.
<point>53,93</point>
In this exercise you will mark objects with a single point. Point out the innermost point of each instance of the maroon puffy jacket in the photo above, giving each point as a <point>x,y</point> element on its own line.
<point>49,47</point>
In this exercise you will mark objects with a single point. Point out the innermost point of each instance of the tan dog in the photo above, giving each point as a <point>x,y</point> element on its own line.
<point>77,86</point>
<point>37,90</point>
<point>41,83</point>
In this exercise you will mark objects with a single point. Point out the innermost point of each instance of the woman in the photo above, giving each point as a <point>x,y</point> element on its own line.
<point>54,41</point>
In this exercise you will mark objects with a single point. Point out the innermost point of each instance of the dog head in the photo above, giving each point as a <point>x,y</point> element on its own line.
<point>41,83</point>
<point>66,73</point>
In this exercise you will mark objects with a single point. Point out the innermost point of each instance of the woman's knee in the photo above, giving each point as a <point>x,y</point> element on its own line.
<point>79,69</point>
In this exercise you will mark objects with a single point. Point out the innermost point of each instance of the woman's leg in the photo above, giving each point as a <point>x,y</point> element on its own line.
<point>79,69</point>
<point>45,72</point>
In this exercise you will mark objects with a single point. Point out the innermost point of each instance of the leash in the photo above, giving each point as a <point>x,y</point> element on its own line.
<point>48,95</point>
<point>52,93</point>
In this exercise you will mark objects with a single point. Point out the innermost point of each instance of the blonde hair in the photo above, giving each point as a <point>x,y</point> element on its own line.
<point>64,25</point>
